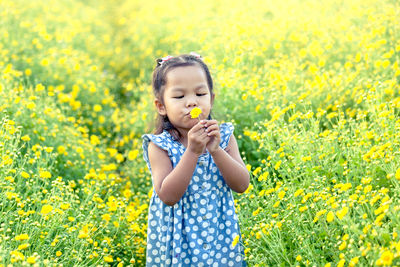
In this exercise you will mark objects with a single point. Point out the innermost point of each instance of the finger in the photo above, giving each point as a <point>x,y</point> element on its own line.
<point>202,132</point>
<point>212,128</point>
<point>198,136</point>
<point>208,123</point>
<point>196,128</point>
<point>203,139</point>
<point>199,132</point>
<point>203,135</point>
<point>215,133</point>
<point>199,125</point>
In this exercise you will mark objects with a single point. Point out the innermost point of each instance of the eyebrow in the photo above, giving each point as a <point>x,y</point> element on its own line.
<point>201,86</point>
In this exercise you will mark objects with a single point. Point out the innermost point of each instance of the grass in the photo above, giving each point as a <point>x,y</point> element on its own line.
<point>312,89</point>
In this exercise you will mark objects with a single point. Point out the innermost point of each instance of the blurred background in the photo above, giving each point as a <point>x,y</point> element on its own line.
<point>312,88</point>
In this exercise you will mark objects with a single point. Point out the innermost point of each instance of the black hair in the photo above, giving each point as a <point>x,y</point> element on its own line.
<point>164,65</point>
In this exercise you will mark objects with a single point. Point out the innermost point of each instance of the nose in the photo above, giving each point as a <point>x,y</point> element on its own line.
<point>191,102</point>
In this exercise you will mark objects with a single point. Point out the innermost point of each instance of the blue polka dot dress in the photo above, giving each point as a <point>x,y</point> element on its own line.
<point>200,228</point>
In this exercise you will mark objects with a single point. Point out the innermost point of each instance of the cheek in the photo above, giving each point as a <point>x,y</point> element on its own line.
<point>209,102</point>
<point>173,107</point>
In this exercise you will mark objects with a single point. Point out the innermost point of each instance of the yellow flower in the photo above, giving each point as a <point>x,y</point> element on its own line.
<point>39,87</point>
<point>44,62</point>
<point>22,237</point>
<point>258,235</point>
<point>94,140</point>
<point>23,246</point>
<point>106,217</point>
<point>235,241</point>
<point>343,245</point>
<point>108,259</point>
<point>119,157</point>
<point>30,105</point>
<point>385,259</point>
<point>46,209</point>
<point>277,165</point>
<point>341,213</point>
<point>112,151</point>
<point>133,154</point>
<point>194,113</point>
<point>257,211</point>
<point>25,138</point>
<point>84,232</point>
<point>16,256</point>
<point>45,174</point>
<point>60,149</point>
<point>102,119</point>
<point>25,174</point>
<point>341,263</point>
<point>97,108</point>
<point>330,216</point>
<point>353,262</point>
<point>112,203</point>
<point>298,258</point>
<point>303,208</point>
<point>298,192</point>
<point>65,206</point>
<point>58,253</point>
<point>397,175</point>
<point>31,260</point>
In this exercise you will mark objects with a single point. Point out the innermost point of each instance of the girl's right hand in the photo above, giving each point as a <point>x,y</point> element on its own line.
<point>198,138</point>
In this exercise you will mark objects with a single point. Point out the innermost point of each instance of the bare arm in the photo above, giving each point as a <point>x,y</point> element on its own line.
<point>232,167</point>
<point>171,183</point>
<point>228,161</point>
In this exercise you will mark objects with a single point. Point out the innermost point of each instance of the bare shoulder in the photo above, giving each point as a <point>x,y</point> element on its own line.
<point>156,150</point>
<point>160,164</point>
<point>156,155</point>
<point>232,144</point>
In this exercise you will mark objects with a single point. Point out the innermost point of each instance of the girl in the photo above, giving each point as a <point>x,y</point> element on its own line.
<point>194,165</point>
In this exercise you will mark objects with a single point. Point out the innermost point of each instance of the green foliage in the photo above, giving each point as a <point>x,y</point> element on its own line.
<point>312,89</point>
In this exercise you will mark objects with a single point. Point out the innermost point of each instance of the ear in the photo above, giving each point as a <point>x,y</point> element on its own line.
<point>212,99</point>
<point>160,107</point>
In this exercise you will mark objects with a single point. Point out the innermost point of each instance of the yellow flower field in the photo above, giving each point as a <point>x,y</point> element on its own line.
<point>312,88</point>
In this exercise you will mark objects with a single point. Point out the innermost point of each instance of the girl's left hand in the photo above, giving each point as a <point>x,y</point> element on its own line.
<point>212,129</point>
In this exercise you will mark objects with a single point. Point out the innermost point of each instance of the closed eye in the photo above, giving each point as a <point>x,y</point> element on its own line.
<point>200,94</point>
<point>181,96</point>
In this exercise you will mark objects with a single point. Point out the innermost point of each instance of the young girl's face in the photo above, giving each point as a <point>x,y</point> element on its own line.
<point>186,88</point>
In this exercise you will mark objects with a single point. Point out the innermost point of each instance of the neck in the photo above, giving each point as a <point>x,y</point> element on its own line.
<point>179,134</point>
<point>184,136</point>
